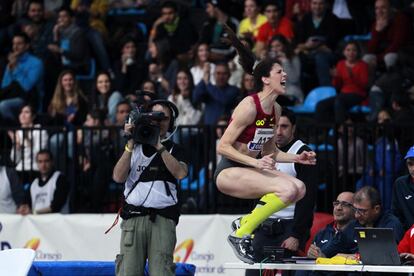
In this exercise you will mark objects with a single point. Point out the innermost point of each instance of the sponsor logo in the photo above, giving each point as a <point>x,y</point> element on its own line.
<point>254,146</point>
<point>40,255</point>
<point>408,197</point>
<point>324,241</point>
<point>183,251</point>
<point>260,122</point>
<point>32,243</point>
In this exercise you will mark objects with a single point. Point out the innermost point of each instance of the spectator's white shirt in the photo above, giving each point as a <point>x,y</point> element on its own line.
<point>7,204</point>
<point>25,156</point>
<point>198,73</point>
<point>42,196</point>
<point>187,114</point>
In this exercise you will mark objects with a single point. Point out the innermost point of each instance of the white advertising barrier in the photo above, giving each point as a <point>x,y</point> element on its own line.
<point>201,239</point>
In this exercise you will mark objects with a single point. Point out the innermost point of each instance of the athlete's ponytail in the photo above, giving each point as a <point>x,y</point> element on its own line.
<point>248,60</point>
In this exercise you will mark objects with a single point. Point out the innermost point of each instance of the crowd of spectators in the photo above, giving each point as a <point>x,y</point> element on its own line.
<point>70,64</point>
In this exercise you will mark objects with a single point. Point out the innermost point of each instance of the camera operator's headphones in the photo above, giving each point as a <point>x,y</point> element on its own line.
<point>173,110</point>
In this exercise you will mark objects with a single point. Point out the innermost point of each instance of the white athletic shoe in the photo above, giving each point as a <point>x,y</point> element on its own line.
<point>242,248</point>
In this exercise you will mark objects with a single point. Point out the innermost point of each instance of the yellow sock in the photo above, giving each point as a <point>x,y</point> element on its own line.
<point>260,213</point>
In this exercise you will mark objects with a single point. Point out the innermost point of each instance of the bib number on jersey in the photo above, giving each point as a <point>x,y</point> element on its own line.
<point>261,136</point>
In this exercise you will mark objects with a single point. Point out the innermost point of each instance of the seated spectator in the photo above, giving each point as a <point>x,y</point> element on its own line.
<point>201,60</point>
<point>181,96</point>
<point>176,29</point>
<point>49,192</point>
<point>69,105</point>
<point>212,32</point>
<point>70,46</point>
<point>89,16</point>
<point>276,24</point>
<point>149,85</point>
<point>402,193</point>
<point>350,78</point>
<point>189,114</point>
<point>68,108</point>
<point>247,86</point>
<point>370,213</point>
<point>94,147</point>
<point>390,32</point>
<point>393,82</point>
<point>129,73</point>
<point>403,114</point>
<point>337,237</point>
<point>27,142</point>
<point>22,79</point>
<point>350,155</point>
<point>39,28</point>
<point>164,66</point>
<point>403,111</point>
<point>219,99</point>
<point>384,116</point>
<point>12,195</point>
<point>317,37</point>
<point>122,111</point>
<point>388,162</point>
<point>406,247</point>
<point>296,9</point>
<point>104,97</point>
<point>281,49</point>
<point>253,20</point>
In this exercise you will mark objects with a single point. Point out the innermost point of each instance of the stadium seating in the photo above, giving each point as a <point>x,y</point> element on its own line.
<point>313,98</point>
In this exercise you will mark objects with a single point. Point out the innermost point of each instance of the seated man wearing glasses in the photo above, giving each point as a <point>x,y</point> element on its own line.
<point>369,213</point>
<point>337,237</point>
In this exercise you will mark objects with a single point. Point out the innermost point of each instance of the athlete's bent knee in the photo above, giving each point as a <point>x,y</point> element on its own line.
<point>222,183</point>
<point>290,192</point>
<point>301,189</point>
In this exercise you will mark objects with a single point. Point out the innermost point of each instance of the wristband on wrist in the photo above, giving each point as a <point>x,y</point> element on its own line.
<point>161,150</point>
<point>127,149</point>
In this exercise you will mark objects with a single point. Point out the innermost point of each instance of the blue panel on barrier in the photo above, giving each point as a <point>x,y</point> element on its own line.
<point>181,269</point>
<point>70,268</point>
<point>83,268</point>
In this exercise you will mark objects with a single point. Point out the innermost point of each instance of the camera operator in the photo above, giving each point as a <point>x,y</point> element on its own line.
<point>151,212</point>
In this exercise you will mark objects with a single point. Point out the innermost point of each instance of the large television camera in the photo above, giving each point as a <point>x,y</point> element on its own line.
<point>145,130</point>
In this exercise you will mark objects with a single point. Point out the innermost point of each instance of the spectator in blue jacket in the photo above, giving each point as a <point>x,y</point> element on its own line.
<point>22,79</point>
<point>336,237</point>
<point>387,164</point>
<point>403,193</point>
<point>219,99</point>
<point>369,212</point>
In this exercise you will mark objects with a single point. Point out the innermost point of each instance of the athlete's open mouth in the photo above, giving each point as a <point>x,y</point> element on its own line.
<point>283,83</point>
